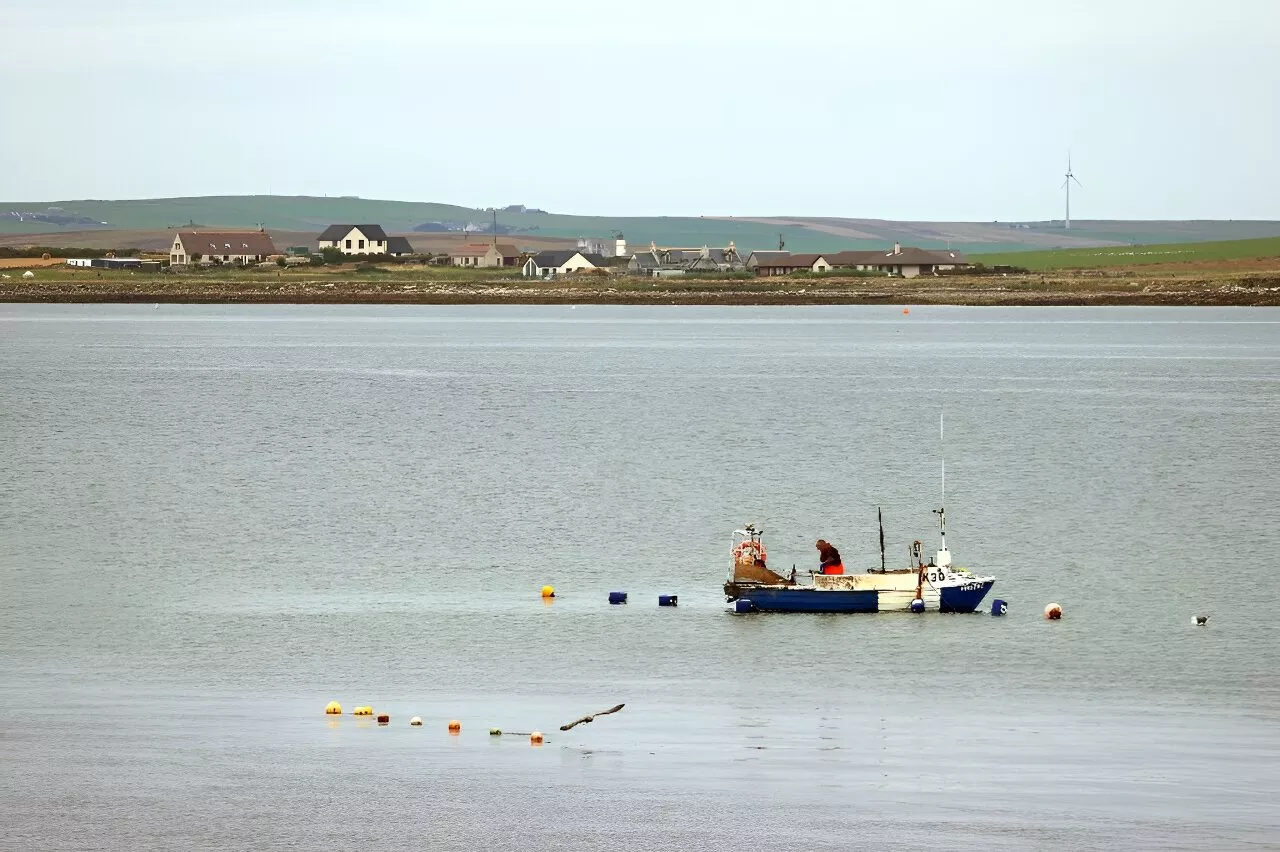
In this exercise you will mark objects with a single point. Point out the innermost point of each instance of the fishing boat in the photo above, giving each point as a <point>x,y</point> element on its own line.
<point>935,585</point>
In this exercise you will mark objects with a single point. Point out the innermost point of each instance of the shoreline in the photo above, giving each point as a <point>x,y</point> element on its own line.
<point>1259,289</point>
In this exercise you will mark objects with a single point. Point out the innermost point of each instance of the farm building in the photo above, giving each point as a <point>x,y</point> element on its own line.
<point>241,247</point>
<point>485,254</point>
<point>399,246</point>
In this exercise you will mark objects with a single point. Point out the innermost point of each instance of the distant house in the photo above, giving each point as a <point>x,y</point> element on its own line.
<point>644,262</point>
<point>561,262</point>
<point>355,239</point>
<point>242,247</point>
<point>399,246</point>
<point>485,254</point>
<point>907,261</point>
<point>754,259</point>
<point>676,261</point>
<point>790,263</point>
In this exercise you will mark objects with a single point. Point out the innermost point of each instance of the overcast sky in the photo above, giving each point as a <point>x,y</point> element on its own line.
<point>897,109</point>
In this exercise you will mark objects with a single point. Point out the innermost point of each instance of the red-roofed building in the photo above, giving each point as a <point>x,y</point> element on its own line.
<point>243,247</point>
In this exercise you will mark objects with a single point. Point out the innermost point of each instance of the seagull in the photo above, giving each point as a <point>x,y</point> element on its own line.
<point>156,306</point>
<point>1200,620</point>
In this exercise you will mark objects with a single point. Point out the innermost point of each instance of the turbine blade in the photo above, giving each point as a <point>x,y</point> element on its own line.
<point>1077,180</point>
<point>1064,184</point>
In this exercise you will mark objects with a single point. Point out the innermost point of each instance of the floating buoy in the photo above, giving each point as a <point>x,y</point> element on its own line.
<point>1200,621</point>
<point>455,726</point>
<point>1053,612</point>
<point>999,607</point>
<point>384,719</point>
<point>744,605</point>
<point>333,708</point>
<point>495,732</point>
<point>917,605</point>
<point>617,597</point>
<point>906,311</point>
<point>535,738</point>
<point>416,721</point>
<point>667,600</point>
<point>548,591</point>
<point>362,711</point>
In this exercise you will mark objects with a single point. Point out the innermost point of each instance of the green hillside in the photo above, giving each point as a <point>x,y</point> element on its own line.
<point>1139,255</point>
<point>311,214</point>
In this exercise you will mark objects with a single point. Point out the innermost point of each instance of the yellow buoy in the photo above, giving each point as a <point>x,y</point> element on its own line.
<point>455,726</point>
<point>495,732</point>
<point>416,721</point>
<point>333,708</point>
<point>535,738</point>
<point>1053,612</point>
<point>548,591</point>
<point>362,711</point>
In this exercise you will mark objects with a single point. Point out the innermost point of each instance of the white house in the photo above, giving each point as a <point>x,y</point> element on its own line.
<point>243,247</point>
<point>561,262</point>
<point>355,239</point>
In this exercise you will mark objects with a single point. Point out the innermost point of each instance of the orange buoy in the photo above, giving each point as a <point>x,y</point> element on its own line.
<point>535,738</point>
<point>455,726</point>
<point>384,719</point>
<point>906,310</point>
<point>1053,612</point>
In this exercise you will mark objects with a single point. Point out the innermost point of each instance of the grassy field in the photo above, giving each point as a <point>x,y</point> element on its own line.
<point>1140,255</point>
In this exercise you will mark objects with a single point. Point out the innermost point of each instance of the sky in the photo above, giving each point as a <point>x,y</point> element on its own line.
<point>898,109</point>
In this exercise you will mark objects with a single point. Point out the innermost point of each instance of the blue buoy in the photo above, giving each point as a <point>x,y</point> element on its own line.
<point>999,607</point>
<point>617,597</point>
<point>667,600</point>
<point>743,605</point>
<point>917,605</point>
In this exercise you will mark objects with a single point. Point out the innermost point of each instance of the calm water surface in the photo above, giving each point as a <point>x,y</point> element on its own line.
<point>213,520</point>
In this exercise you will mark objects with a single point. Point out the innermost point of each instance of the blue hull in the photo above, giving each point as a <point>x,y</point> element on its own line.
<point>962,598</point>
<point>954,599</point>
<point>810,600</point>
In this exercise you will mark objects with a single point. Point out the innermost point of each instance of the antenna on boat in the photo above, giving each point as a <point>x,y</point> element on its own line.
<point>944,556</point>
<point>880,518</point>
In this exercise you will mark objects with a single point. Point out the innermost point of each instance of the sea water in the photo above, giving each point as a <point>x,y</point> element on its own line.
<point>214,520</point>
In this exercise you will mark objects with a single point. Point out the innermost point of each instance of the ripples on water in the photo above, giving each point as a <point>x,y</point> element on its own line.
<point>217,519</point>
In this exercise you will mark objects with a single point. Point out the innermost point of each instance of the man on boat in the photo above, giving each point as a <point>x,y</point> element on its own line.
<point>829,558</point>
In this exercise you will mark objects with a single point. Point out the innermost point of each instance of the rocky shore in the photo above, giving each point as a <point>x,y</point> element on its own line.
<point>1082,288</point>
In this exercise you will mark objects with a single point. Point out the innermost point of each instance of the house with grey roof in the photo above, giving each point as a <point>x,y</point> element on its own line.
<point>561,262</point>
<point>355,239</point>
<point>792,263</point>
<point>755,257</point>
<point>677,261</point>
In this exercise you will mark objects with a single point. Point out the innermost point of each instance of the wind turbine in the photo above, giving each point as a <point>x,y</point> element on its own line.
<point>1066,223</point>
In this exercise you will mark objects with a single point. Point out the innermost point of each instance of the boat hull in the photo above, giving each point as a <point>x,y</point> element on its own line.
<point>964,597</point>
